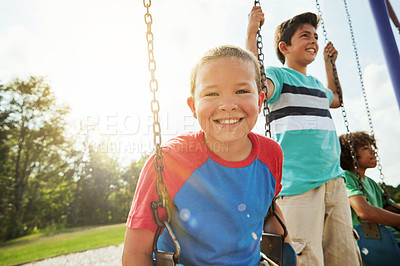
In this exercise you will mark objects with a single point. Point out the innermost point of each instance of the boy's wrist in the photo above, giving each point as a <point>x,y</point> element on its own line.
<point>251,33</point>
<point>251,38</point>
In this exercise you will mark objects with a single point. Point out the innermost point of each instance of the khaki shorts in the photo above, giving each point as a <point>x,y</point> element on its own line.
<point>320,227</point>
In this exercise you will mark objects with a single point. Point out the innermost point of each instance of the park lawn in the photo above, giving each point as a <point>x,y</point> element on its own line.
<point>37,247</point>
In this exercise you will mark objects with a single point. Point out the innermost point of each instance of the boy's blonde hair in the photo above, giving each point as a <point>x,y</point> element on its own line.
<point>226,51</point>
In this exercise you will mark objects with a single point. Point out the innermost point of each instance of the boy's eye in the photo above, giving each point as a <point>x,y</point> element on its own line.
<point>242,91</point>
<point>367,148</point>
<point>212,94</point>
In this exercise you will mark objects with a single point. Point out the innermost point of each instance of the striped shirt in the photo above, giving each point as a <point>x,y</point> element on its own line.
<point>302,124</point>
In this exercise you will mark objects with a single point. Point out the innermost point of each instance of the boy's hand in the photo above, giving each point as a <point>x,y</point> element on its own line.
<point>333,80</point>
<point>256,18</point>
<point>330,51</point>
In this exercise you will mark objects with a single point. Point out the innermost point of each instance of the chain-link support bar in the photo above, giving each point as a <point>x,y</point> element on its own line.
<point>360,75</point>
<point>344,113</point>
<point>158,158</point>
<point>266,110</point>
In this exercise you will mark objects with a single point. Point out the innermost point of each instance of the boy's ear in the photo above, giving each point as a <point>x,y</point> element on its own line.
<point>192,106</point>
<point>283,47</point>
<point>261,97</point>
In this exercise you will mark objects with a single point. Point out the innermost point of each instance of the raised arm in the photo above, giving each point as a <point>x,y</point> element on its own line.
<point>331,52</point>
<point>373,214</point>
<point>138,247</point>
<point>256,18</point>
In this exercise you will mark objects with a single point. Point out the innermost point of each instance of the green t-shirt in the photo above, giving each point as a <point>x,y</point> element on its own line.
<point>373,193</point>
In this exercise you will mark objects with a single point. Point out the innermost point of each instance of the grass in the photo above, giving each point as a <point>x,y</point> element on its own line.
<point>41,246</point>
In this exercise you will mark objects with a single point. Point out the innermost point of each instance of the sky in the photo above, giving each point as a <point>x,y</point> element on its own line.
<point>93,53</point>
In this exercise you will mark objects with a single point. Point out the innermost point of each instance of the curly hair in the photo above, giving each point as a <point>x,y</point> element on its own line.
<point>359,140</point>
<point>285,31</point>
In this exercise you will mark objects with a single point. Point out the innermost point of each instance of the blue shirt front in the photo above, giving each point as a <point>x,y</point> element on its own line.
<point>220,208</point>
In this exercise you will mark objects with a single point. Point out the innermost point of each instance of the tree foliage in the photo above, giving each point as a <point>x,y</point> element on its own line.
<point>394,192</point>
<point>44,181</point>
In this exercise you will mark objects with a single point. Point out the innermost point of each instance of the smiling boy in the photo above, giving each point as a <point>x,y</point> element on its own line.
<point>223,184</point>
<point>313,197</point>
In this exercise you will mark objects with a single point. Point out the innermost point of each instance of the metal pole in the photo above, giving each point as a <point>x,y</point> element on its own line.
<point>390,50</point>
<point>392,15</point>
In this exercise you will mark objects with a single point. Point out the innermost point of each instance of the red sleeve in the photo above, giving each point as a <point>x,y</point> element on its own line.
<point>275,163</point>
<point>141,214</point>
<point>272,155</point>
<point>182,155</point>
<point>278,168</point>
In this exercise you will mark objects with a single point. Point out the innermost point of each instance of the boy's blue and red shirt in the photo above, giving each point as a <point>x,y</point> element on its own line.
<point>219,206</point>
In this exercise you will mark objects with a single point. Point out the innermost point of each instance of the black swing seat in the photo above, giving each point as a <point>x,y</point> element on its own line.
<point>272,244</point>
<point>279,252</point>
<point>377,245</point>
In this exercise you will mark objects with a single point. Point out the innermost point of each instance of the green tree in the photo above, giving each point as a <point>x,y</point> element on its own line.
<point>5,165</point>
<point>121,199</point>
<point>101,178</point>
<point>394,192</point>
<point>36,145</point>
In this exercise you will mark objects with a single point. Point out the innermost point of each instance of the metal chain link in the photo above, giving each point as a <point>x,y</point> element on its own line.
<point>324,32</point>
<point>344,113</point>
<point>155,109</point>
<point>360,75</point>
<point>158,159</point>
<point>266,110</point>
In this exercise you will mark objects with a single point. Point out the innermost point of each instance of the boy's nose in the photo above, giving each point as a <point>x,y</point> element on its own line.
<point>227,105</point>
<point>314,40</point>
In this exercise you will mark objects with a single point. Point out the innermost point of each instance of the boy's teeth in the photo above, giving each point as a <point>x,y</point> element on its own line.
<point>228,121</point>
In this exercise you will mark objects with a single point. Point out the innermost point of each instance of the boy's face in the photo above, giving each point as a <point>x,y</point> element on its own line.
<point>366,157</point>
<point>304,46</point>
<point>226,101</point>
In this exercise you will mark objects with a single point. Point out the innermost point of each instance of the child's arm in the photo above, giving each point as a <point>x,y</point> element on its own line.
<point>256,18</point>
<point>392,207</point>
<point>373,214</point>
<point>329,52</point>
<point>138,247</point>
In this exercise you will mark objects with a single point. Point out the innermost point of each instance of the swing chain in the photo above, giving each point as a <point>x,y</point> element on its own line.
<point>155,108</point>
<point>324,32</point>
<point>360,75</point>
<point>171,258</point>
<point>344,113</point>
<point>266,110</point>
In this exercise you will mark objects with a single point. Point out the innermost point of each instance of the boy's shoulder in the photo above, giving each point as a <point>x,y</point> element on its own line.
<point>264,141</point>
<point>189,139</point>
<point>285,71</point>
<point>187,149</point>
<point>268,149</point>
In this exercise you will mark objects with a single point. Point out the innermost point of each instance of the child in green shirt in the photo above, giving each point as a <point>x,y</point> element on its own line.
<point>371,206</point>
